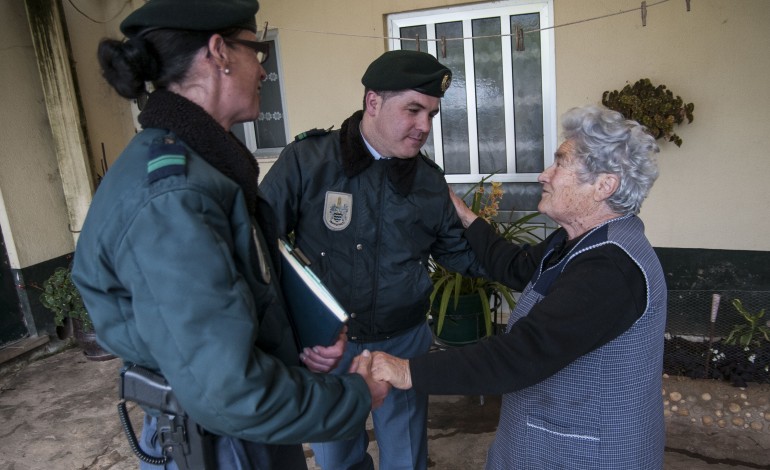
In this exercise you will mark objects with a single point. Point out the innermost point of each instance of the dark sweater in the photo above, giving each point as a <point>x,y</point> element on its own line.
<point>600,294</point>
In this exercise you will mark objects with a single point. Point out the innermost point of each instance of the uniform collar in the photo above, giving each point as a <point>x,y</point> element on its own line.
<point>357,156</point>
<point>199,131</point>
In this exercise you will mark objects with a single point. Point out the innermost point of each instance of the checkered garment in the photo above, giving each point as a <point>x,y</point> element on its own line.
<point>605,410</point>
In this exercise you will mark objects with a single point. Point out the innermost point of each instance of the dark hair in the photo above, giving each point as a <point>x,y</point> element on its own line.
<point>387,94</point>
<point>160,56</point>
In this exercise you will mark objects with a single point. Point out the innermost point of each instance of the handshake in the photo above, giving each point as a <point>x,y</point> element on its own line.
<point>378,369</point>
<point>381,371</point>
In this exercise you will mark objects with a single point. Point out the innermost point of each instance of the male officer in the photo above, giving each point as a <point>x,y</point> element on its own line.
<point>369,209</point>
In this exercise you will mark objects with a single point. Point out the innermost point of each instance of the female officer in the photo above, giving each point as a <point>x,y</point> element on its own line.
<point>174,260</point>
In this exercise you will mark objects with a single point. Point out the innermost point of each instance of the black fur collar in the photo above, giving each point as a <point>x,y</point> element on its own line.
<point>196,128</point>
<point>356,157</point>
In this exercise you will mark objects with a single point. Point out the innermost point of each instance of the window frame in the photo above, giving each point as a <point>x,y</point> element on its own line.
<point>467,14</point>
<point>249,128</point>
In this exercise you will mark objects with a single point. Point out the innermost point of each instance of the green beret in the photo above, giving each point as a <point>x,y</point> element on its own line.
<point>191,15</point>
<point>408,70</point>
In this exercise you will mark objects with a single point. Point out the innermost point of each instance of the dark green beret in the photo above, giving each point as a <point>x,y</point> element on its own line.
<point>191,15</point>
<point>408,70</point>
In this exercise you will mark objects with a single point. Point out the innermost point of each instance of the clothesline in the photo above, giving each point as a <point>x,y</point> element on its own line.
<point>519,32</point>
<point>643,8</point>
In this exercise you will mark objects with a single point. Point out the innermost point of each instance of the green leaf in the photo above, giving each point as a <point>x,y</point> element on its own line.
<point>484,295</point>
<point>655,107</point>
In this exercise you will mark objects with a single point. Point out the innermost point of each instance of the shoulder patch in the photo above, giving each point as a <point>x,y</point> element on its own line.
<point>167,158</point>
<point>312,133</point>
<point>431,163</point>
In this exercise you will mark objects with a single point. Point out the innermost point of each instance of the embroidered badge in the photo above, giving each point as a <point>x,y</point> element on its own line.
<point>338,209</point>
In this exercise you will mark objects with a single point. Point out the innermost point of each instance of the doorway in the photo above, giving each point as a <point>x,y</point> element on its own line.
<point>12,327</point>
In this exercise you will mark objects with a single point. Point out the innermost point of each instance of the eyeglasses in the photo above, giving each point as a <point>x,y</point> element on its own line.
<point>262,49</point>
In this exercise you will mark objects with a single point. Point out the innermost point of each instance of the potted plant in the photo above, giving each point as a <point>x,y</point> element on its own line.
<point>452,291</point>
<point>654,107</point>
<point>61,296</point>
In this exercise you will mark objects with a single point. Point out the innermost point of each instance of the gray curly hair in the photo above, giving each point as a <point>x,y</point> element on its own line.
<point>606,142</point>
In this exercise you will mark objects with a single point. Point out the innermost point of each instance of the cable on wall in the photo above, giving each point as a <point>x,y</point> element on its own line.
<point>85,15</point>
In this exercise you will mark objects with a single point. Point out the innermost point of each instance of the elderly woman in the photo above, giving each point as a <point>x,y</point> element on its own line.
<point>174,261</point>
<point>580,363</point>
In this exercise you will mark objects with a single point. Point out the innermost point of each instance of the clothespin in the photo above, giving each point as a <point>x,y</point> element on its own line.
<point>417,39</point>
<point>688,4</point>
<point>519,38</point>
<point>264,32</point>
<point>443,47</point>
<point>644,13</point>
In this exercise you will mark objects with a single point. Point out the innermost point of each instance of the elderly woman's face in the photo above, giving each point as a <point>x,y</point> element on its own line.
<point>565,199</point>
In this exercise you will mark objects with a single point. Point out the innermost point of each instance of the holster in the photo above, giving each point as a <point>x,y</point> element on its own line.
<point>181,438</point>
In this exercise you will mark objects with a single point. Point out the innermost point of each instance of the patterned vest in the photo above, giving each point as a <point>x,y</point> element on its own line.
<point>604,410</point>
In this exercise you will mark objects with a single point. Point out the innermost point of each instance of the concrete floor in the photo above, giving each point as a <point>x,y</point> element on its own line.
<point>59,412</point>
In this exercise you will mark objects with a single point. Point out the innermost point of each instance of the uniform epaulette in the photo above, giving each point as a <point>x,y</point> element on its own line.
<point>311,133</point>
<point>167,158</point>
<point>431,163</point>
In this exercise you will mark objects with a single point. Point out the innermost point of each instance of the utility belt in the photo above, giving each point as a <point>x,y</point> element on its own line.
<point>183,440</point>
<point>362,334</point>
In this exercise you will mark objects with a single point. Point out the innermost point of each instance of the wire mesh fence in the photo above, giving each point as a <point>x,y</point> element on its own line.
<point>697,347</point>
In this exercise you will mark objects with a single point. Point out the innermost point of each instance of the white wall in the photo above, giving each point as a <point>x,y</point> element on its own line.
<point>108,116</point>
<point>34,215</point>
<point>711,192</point>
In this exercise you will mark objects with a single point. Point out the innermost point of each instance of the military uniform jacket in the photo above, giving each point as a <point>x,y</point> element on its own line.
<point>368,226</point>
<point>173,270</point>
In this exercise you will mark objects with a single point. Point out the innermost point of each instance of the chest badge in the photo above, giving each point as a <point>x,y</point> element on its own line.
<point>338,209</point>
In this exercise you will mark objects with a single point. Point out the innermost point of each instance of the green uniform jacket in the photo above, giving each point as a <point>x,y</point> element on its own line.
<point>171,274</point>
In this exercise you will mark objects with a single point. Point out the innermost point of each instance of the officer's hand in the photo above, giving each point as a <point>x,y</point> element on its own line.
<point>392,369</point>
<point>324,359</point>
<point>362,365</point>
